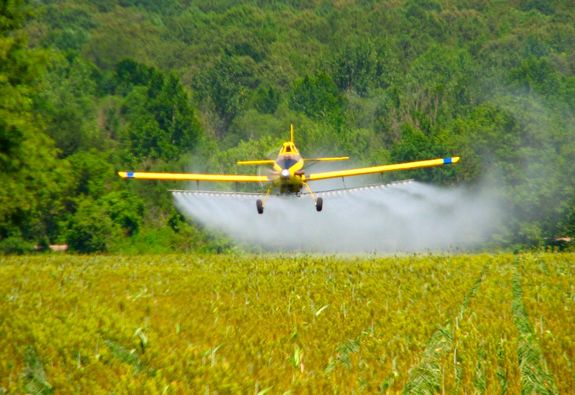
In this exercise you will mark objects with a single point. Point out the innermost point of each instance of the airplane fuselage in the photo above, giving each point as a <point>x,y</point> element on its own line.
<point>288,169</point>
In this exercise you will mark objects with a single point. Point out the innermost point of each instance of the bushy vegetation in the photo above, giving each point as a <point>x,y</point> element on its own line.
<point>243,324</point>
<point>90,87</point>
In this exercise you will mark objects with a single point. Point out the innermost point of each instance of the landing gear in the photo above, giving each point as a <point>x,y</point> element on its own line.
<point>260,202</point>
<point>318,201</point>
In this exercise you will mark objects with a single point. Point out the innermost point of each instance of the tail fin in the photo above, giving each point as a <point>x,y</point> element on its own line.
<point>291,132</point>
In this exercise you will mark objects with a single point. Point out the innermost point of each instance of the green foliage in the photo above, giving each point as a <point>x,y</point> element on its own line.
<point>32,178</point>
<point>12,15</point>
<point>266,99</point>
<point>91,228</point>
<point>317,96</point>
<point>36,381</point>
<point>415,145</point>
<point>91,173</point>
<point>170,86</point>
<point>357,67</point>
<point>225,88</point>
<point>66,98</point>
<point>69,27</point>
<point>160,122</point>
<point>536,75</point>
<point>126,210</point>
<point>438,82</point>
<point>120,33</point>
<point>14,245</point>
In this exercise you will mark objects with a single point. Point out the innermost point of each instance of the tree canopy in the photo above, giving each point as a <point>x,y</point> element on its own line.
<point>87,87</point>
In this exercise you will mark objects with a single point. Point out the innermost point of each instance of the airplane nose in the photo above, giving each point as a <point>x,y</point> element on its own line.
<point>285,173</point>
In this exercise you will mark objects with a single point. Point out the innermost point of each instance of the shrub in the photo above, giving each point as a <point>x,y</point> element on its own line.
<point>91,229</point>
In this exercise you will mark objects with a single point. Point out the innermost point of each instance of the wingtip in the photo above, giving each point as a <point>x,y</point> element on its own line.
<point>126,174</point>
<point>450,160</point>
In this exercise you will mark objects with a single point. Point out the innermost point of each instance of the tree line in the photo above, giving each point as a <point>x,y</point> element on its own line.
<point>90,87</point>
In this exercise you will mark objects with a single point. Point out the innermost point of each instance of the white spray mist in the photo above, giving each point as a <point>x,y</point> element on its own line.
<point>412,217</point>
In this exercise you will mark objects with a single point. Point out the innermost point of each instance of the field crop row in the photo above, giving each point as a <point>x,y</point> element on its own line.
<point>253,324</point>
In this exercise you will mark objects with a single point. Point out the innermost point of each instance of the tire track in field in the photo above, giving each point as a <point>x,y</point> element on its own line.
<point>426,377</point>
<point>535,376</point>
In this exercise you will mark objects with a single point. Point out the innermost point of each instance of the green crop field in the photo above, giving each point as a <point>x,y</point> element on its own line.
<point>257,324</point>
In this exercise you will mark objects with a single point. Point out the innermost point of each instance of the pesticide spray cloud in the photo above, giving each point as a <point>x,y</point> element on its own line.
<point>409,217</point>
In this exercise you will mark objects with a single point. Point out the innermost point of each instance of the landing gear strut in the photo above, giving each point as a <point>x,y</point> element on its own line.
<point>318,200</point>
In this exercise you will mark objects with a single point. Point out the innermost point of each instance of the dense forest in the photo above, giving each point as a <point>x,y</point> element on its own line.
<point>90,87</point>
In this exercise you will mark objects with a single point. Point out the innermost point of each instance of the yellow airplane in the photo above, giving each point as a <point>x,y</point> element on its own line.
<point>288,175</point>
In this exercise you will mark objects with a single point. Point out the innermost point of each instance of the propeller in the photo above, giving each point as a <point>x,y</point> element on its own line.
<point>266,170</point>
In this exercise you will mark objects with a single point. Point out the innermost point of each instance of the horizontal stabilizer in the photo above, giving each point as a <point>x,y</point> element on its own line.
<point>256,162</point>
<point>326,159</point>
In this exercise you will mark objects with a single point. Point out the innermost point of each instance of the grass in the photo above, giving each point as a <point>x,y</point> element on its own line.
<point>535,376</point>
<point>428,376</point>
<point>271,324</point>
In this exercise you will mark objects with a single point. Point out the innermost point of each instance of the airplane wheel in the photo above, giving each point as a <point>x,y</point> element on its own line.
<point>260,206</point>
<point>319,204</point>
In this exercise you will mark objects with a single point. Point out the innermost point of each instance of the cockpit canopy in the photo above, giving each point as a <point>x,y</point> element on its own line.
<point>289,148</point>
<point>286,162</point>
<point>288,155</point>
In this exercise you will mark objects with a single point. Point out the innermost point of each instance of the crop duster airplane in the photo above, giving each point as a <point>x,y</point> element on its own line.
<point>288,174</point>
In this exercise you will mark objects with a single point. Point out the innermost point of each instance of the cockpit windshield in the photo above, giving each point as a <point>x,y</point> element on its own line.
<point>286,163</point>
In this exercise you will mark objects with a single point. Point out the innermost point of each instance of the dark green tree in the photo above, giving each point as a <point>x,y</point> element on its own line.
<point>160,121</point>
<point>126,210</point>
<point>356,67</point>
<point>416,145</point>
<point>33,180</point>
<point>266,99</point>
<point>536,75</point>
<point>225,87</point>
<point>317,96</point>
<point>92,173</point>
<point>91,228</point>
<point>67,100</point>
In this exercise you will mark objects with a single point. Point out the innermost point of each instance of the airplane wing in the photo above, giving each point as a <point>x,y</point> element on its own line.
<point>192,177</point>
<point>382,169</point>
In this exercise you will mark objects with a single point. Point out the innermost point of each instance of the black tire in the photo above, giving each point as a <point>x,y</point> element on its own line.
<point>260,206</point>
<point>319,204</point>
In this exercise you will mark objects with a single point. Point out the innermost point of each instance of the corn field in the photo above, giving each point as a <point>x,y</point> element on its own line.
<point>276,324</point>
